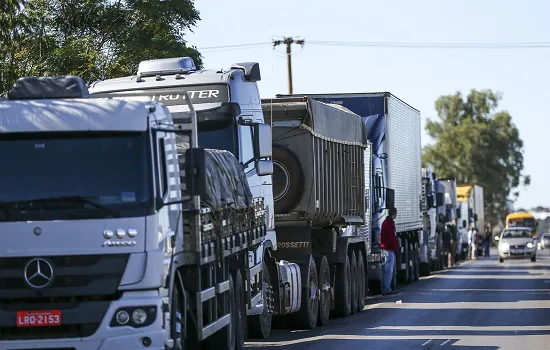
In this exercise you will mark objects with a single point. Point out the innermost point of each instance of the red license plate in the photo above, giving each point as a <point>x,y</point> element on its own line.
<point>42,318</point>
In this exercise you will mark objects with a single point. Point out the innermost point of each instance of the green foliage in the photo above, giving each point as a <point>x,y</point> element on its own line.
<point>94,39</point>
<point>477,145</point>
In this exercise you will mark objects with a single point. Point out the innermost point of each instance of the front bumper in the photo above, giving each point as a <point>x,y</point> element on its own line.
<point>517,253</point>
<point>107,337</point>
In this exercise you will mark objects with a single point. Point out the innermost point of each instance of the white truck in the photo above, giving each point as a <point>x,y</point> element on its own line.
<point>120,232</point>
<point>430,241</point>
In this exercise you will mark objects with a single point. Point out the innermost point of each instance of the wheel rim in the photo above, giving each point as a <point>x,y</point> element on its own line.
<point>325,293</point>
<point>313,300</point>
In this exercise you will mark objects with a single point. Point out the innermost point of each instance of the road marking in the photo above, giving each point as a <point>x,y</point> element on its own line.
<point>426,342</point>
<point>492,277</point>
<point>496,305</point>
<point>462,328</point>
<point>445,342</point>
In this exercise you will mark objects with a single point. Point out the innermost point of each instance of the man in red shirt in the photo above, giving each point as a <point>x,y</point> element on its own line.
<point>389,245</point>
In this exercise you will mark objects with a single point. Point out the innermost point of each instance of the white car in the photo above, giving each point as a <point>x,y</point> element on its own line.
<point>516,243</point>
<point>544,241</point>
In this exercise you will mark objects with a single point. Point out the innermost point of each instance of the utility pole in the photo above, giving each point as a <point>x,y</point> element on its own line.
<point>288,42</point>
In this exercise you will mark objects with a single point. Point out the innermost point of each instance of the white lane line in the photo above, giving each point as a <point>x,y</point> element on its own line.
<point>426,342</point>
<point>445,342</point>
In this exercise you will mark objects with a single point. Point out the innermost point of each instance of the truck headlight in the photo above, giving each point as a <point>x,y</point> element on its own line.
<point>139,316</point>
<point>122,317</point>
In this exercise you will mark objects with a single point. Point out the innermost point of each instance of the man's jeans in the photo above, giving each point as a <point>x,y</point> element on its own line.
<point>388,262</point>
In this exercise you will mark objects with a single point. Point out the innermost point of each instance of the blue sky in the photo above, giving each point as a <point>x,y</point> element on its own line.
<point>417,76</point>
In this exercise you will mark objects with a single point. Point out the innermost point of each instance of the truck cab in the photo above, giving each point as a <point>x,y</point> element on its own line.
<point>82,263</point>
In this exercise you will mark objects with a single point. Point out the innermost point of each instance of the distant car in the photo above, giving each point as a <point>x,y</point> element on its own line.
<point>517,243</point>
<point>544,241</point>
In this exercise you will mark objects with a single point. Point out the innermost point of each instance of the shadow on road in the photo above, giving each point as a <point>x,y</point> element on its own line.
<point>479,305</point>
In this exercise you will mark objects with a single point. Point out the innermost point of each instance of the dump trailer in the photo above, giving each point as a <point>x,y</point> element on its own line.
<point>393,128</point>
<point>158,259</point>
<point>321,189</point>
<point>230,126</point>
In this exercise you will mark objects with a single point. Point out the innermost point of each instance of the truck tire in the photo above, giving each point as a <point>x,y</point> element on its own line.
<point>324,295</point>
<point>361,280</point>
<point>354,280</point>
<point>342,289</point>
<point>288,180</point>
<point>225,338</point>
<point>306,317</point>
<point>240,312</point>
<point>259,326</point>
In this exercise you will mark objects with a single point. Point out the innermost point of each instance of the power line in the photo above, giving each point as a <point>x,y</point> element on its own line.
<point>399,45</point>
<point>434,45</point>
<point>237,46</point>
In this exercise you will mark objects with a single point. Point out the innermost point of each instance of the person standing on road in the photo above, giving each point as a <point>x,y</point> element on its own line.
<point>471,242</point>
<point>389,245</point>
<point>487,241</point>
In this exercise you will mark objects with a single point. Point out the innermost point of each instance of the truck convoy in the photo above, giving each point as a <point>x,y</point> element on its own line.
<point>216,210</point>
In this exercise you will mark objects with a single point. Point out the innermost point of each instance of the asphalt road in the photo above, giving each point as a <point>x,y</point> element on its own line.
<point>479,305</point>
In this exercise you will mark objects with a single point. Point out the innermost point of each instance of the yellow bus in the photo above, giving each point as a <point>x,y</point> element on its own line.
<point>522,219</point>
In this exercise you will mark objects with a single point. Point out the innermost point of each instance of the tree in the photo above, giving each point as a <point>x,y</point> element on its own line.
<point>477,145</point>
<point>95,39</point>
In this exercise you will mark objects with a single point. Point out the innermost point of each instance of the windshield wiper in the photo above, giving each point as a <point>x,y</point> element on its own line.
<point>79,199</point>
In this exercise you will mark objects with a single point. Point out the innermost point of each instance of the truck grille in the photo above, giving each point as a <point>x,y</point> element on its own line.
<point>82,288</point>
<point>74,276</point>
<point>70,331</point>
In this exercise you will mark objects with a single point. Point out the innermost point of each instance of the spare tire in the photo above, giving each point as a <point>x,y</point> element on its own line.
<point>288,180</point>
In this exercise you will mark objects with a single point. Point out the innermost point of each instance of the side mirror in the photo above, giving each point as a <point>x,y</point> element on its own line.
<point>264,167</point>
<point>390,198</point>
<point>439,199</point>
<point>430,201</point>
<point>262,141</point>
<point>497,238</point>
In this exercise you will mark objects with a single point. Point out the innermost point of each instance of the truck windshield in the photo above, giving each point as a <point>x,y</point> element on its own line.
<point>224,136</point>
<point>67,176</point>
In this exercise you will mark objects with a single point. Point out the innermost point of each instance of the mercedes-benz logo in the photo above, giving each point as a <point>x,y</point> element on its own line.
<point>38,273</point>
